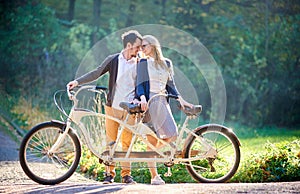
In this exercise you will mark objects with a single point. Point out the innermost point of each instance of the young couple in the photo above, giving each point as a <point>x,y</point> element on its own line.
<point>133,81</point>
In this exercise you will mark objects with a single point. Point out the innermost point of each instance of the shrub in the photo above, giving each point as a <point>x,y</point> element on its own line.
<point>89,165</point>
<point>279,162</point>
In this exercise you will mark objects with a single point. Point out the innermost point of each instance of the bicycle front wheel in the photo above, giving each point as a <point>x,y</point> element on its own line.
<point>44,167</point>
<point>214,154</point>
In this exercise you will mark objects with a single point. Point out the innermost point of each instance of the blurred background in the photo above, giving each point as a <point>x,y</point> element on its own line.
<point>255,44</point>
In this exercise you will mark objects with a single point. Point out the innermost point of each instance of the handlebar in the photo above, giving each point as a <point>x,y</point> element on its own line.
<point>99,89</point>
<point>194,111</point>
<point>92,88</point>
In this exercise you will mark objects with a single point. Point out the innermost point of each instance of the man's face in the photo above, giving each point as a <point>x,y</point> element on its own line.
<point>136,47</point>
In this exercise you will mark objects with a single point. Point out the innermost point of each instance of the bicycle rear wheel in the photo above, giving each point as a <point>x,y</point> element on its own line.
<point>49,168</point>
<point>215,162</point>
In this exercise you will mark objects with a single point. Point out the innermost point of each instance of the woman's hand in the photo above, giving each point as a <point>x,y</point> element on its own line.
<point>135,101</point>
<point>143,103</point>
<point>184,103</point>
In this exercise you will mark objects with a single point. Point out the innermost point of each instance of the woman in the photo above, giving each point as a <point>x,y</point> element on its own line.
<point>154,76</point>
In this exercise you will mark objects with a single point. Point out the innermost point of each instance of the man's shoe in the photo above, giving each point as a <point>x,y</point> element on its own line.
<point>128,180</point>
<point>108,179</point>
<point>157,181</point>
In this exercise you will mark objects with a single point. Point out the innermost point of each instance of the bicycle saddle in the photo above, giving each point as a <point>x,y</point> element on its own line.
<point>131,108</point>
<point>192,111</point>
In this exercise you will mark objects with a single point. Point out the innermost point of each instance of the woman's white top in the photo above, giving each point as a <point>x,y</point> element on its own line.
<point>158,77</point>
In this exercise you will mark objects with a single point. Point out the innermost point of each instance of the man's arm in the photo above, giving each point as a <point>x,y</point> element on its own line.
<point>92,75</point>
<point>96,73</point>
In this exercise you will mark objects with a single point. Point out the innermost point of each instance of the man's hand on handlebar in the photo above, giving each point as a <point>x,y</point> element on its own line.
<point>72,84</point>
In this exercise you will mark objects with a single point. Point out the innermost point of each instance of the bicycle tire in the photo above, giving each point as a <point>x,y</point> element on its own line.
<point>47,169</point>
<point>216,169</point>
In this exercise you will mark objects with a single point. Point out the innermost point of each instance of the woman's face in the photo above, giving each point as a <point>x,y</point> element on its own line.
<point>146,48</point>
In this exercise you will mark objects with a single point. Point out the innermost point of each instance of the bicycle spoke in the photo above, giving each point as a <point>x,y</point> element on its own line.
<point>42,166</point>
<point>220,156</point>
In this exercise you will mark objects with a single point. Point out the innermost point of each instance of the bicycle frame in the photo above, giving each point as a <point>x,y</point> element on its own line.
<point>139,131</point>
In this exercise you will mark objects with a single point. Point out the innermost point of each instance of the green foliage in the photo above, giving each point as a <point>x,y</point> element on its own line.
<point>247,50</point>
<point>255,43</point>
<point>278,162</point>
<point>89,165</point>
<point>32,53</point>
<point>28,115</point>
<point>80,35</point>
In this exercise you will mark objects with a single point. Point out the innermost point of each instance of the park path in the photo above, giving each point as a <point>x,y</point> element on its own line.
<point>13,180</point>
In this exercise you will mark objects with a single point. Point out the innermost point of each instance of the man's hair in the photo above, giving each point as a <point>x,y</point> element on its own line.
<point>131,37</point>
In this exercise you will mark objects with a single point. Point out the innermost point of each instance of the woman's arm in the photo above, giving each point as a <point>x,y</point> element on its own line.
<point>142,80</point>
<point>142,89</point>
<point>184,103</point>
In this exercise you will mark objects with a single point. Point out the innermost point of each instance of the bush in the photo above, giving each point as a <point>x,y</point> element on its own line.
<point>279,162</point>
<point>89,165</point>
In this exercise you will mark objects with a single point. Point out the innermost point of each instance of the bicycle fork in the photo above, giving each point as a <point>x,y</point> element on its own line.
<point>60,138</point>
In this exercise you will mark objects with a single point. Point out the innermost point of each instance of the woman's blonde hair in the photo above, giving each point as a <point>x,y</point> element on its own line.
<point>157,53</point>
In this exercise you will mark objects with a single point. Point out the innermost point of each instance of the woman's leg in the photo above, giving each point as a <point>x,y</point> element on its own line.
<point>152,165</point>
<point>155,143</point>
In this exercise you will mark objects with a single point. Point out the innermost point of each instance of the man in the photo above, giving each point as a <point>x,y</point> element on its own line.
<point>122,76</point>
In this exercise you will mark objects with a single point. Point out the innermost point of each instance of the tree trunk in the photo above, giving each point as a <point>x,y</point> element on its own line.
<point>71,10</point>
<point>96,19</point>
<point>96,12</point>
<point>163,11</point>
<point>130,14</point>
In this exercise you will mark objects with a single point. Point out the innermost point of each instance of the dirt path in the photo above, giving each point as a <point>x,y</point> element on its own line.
<point>13,180</point>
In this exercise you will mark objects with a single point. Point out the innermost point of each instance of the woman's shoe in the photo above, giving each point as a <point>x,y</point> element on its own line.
<point>157,181</point>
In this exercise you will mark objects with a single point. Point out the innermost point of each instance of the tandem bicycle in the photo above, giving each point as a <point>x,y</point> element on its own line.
<point>50,152</point>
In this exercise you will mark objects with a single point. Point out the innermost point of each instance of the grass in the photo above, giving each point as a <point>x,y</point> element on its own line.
<point>254,139</point>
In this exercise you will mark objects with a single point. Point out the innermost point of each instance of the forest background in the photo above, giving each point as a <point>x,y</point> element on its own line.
<point>255,44</point>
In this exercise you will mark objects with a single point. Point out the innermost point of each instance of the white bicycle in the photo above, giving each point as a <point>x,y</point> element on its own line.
<point>50,151</point>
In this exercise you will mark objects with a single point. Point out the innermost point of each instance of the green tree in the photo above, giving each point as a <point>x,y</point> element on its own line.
<point>255,44</point>
<point>33,51</point>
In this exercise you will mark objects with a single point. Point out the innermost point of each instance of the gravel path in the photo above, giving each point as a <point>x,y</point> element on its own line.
<point>13,180</point>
